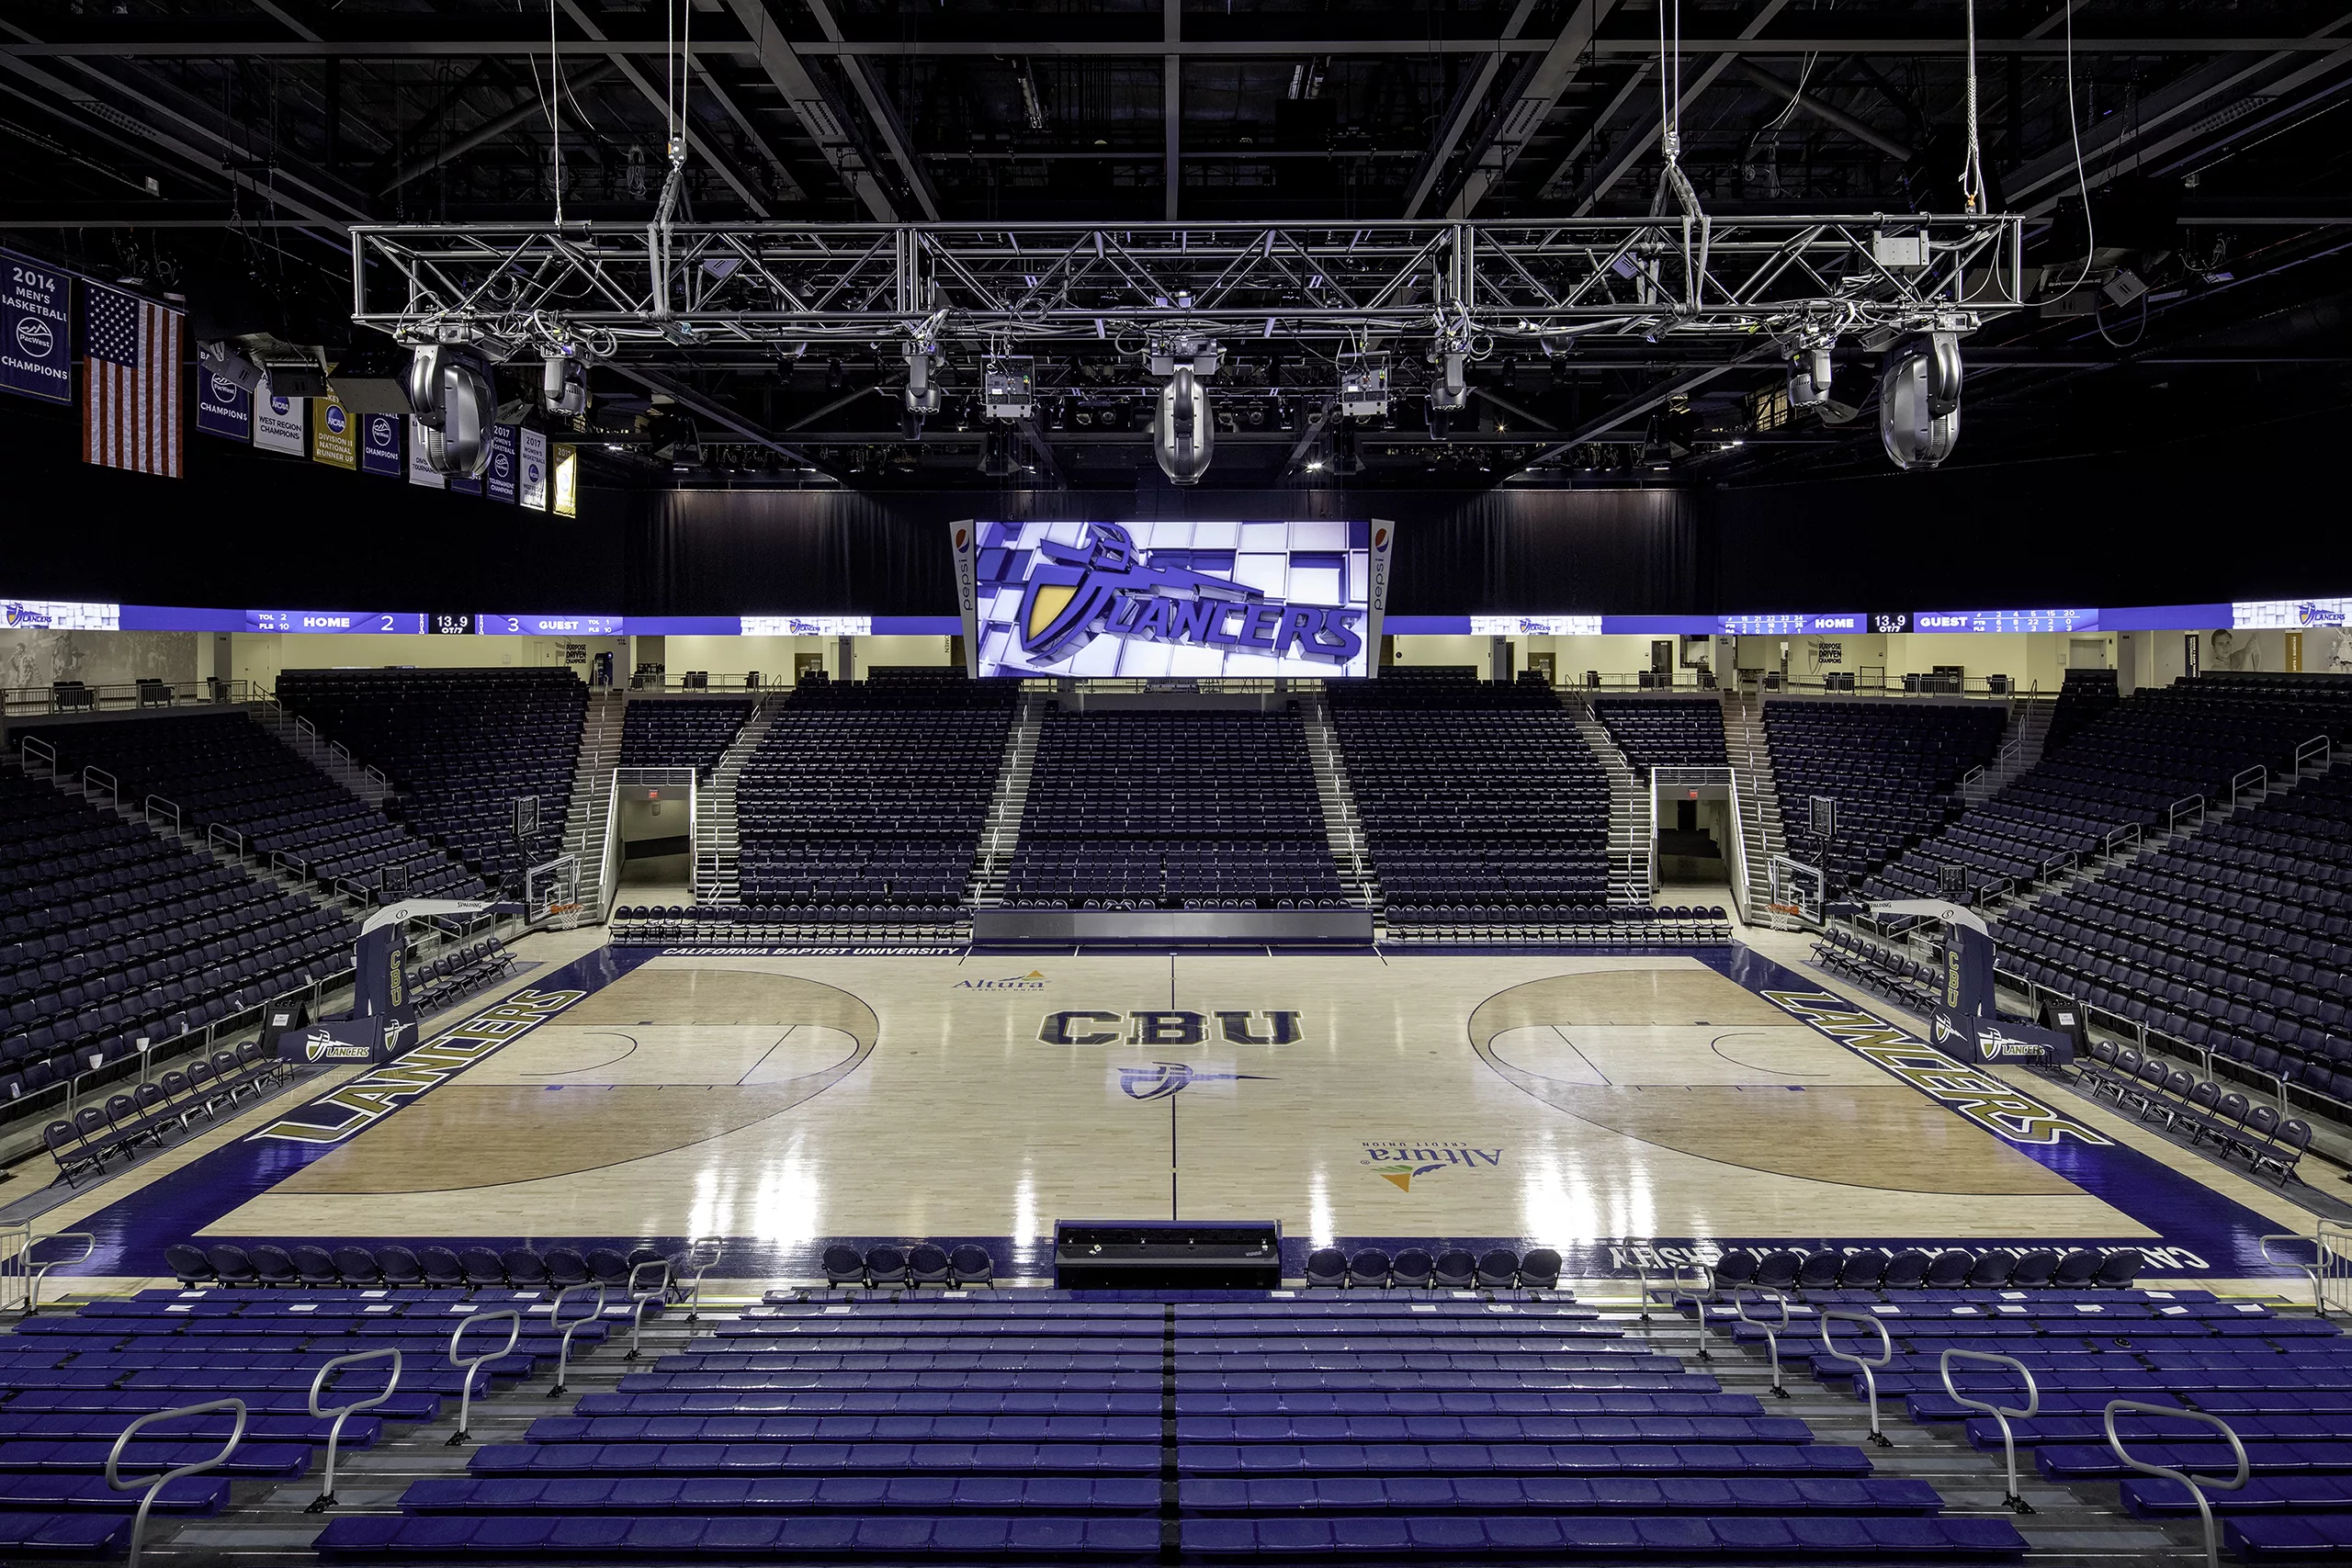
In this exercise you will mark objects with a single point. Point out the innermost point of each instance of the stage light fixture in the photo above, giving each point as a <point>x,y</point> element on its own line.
<point>1919,400</point>
<point>1009,386</point>
<point>1183,428</point>
<point>1364,385</point>
<point>1809,376</point>
<point>563,381</point>
<point>454,398</point>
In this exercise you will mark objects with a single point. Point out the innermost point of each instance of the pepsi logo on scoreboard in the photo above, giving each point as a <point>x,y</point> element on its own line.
<point>1173,599</point>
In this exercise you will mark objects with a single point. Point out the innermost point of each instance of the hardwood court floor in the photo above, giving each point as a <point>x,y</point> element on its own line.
<point>1546,1099</point>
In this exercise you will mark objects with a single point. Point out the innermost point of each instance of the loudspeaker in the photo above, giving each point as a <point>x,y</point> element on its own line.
<point>1168,1254</point>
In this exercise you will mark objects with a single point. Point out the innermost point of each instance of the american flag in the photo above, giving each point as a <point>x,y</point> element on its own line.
<point>130,384</point>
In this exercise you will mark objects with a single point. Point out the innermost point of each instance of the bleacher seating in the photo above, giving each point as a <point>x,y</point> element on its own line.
<point>1665,732</point>
<point>1890,766</point>
<point>2083,697</point>
<point>224,768</point>
<point>461,746</point>
<point>73,1382</point>
<point>1172,808</point>
<point>681,731</point>
<point>1475,796</point>
<point>2234,938</point>
<point>1403,1423</point>
<point>110,932</point>
<point>867,799</point>
<point>2281,1383</point>
<point>2125,772</point>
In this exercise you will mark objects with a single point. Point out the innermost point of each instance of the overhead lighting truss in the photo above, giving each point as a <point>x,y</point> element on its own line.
<point>682,291</point>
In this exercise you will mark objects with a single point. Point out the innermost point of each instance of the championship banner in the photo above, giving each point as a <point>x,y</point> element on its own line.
<point>1148,599</point>
<point>336,443</point>
<point>564,467</point>
<point>36,334</point>
<point>532,492</point>
<point>421,472</point>
<point>379,448</point>
<point>501,477</point>
<point>223,408</point>
<point>967,595</point>
<point>1384,544</point>
<point>280,424</point>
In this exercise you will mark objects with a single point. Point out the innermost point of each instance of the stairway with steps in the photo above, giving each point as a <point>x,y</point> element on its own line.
<point>1760,832</point>
<point>717,839</point>
<point>2020,749</point>
<point>331,758</point>
<point>1341,824</point>
<point>592,791</point>
<point>1630,879</point>
<point>1002,830</point>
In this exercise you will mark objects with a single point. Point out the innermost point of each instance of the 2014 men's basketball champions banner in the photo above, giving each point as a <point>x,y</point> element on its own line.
<point>1171,598</point>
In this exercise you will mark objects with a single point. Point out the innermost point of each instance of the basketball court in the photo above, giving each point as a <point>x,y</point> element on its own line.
<point>1628,1110</point>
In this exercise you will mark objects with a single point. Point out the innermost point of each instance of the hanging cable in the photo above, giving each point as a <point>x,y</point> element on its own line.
<point>1669,90</point>
<point>2082,180</point>
<point>1971,168</point>
<point>553,103</point>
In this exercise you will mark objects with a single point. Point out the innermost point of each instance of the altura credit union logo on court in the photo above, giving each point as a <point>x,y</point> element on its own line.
<point>1402,1164</point>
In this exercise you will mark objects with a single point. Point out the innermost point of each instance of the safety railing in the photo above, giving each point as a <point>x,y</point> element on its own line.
<point>1772,1331</point>
<point>114,1460</point>
<point>216,835</point>
<point>2313,755</point>
<point>2195,1491</point>
<point>1999,1413</point>
<point>2329,1268</point>
<point>325,1498</point>
<point>122,695</point>
<point>1865,1367</point>
<point>22,1273</point>
<point>97,779</point>
<point>155,808</point>
<point>2121,839</point>
<point>642,1296</point>
<point>2248,783</point>
<point>556,1320</point>
<point>2189,808</point>
<point>1696,1285</point>
<point>702,1255</point>
<point>39,758</point>
<point>471,1370</point>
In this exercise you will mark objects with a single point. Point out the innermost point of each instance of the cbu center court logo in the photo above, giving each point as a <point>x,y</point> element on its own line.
<point>1032,981</point>
<point>1157,1080</point>
<point>1400,1164</point>
<point>1075,595</point>
<point>1169,1026</point>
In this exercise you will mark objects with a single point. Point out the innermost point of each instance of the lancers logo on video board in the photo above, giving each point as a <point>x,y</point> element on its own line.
<point>1074,595</point>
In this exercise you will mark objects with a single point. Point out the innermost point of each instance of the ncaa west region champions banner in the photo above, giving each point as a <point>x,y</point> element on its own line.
<point>1171,598</point>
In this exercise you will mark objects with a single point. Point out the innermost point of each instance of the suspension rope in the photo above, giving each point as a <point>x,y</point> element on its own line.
<point>1971,168</point>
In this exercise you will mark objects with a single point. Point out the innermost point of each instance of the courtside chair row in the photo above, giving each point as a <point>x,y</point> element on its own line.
<point>458,972</point>
<point>1448,1269</point>
<point>432,1268</point>
<point>95,1134</point>
<point>2203,1109</point>
<point>886,1267</point>
<point>1876,1271</point>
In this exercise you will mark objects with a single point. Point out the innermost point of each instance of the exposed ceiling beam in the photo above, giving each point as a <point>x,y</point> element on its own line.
<point>1525,120</point>
<point>894,137</point>
<point>1828,113</point>
<point>1635,147</point>
<point>705,406</point>
<point>1593,128</point>
<point>635,73</point>
<point>1171,105</point>
<point>779,57</point>
<point>491,129</point>
<point>757,49</point>
<point>1468,101</point>
<point>1642,404</point>
<point>286,20</point>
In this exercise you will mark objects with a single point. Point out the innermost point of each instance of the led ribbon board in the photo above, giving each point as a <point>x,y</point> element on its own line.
<point>1173,599</point>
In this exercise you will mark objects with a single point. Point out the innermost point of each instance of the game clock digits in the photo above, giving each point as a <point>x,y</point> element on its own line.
<point>450,623</point>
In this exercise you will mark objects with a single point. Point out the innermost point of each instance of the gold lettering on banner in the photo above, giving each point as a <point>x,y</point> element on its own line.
<point>374,1095</point>
<point>2000,1108</point>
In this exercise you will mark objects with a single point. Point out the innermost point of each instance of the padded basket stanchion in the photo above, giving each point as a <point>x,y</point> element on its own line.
<point>2204,1509</point>
<point>326,1499</point>
<point>1869,1368</point>
<point>514,1321</point>
<point>114,1460</point>
<point>556,1320</point>
<point>2014,1498</point>
<point>1772,1331</point>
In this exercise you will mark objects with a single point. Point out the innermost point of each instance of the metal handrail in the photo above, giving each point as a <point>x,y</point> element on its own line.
<point>326,1499</point>
<point>34,750</point>
<point>465,1387</point>
<point>215,831</point>
<point>2312,1268</point>
<point>114,1460</point>
<point>37,1272</point>
<point>2258,775</point>
<point>1772,1331</point>
<point>2181,807</point>
<point>1695,1285</point>
<point>640,1299</point>
<point>2204,1509</point>
<point>702,1255</point>
<point>113,784</point>
<point>2316,753</point>
<point>555,1320</point>
<point>156,805</point>
<point>2013,1497</point>
<point>1869,1368</point>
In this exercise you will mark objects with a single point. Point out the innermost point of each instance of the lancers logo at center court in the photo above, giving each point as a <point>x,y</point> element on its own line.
<point>1399,1163</point>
